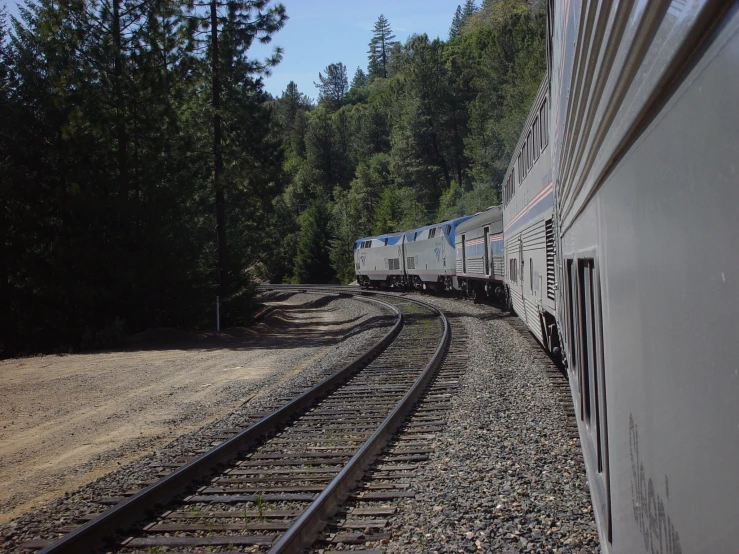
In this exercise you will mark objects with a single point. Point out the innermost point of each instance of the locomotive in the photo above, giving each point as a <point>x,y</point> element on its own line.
<point>615,249</point>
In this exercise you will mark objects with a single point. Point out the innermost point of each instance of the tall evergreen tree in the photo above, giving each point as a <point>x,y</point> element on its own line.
<point>241,22</point>
<point>360,79</point>
<point>333,87</point>
<point>313,262</point>
<point>290,103</point>
<point>379,48</point>
<point>456,28</point>
<point>470,9</point>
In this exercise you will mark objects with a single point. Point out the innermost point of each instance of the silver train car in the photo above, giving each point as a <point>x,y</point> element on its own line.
<point>480,259</point>
<point>430,255</point>
<point>379,261</point>
<point>644,128</point>
<point>528,216</point>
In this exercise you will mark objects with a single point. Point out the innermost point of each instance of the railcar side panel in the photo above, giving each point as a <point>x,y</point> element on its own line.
<point>380,259</point>
<point>651,344</point>
<point>479,248</point>
<point>528,212</point>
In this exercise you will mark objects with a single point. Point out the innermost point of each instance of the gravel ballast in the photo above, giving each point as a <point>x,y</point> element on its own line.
<point>504,476</point>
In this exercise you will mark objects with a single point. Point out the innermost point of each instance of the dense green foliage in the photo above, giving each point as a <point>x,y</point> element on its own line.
<point>107,202</point>
<point>143,170</point>
<point>425,134</point>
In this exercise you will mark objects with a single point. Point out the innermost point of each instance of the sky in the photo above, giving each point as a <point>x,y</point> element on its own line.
<point>320,32</point>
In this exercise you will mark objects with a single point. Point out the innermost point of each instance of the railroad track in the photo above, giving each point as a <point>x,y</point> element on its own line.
<point>274,485</point>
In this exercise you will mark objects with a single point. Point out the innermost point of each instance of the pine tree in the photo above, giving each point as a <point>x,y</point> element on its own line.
<point>313,262</point>
<point>290,103</point>
<point>456,28</point>
<point>243,22</point>
<point>470,9</point>
<point>360,79</point>
<point>379,48</point>
<point>333,87</point>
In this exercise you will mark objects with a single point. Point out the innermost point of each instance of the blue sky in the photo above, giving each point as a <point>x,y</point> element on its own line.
<point>320,32</point>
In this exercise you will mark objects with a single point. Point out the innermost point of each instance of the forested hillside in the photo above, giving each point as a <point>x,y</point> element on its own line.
<point>144,171</point>
<point>424,133</point>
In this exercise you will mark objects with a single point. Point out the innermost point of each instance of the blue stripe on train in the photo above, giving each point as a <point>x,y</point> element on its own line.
<point>546,203</point>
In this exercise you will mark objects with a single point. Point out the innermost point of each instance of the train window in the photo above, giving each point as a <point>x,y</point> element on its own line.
<point>513,270</point>
<point>570,276</point>
<point>584,339</point>
<point>385,241</point>
<point>447,229</point>
<point>520,168</point>
<point>530,149</point>
<point>591,372</point>
<point>432,233</point>
<point>544,124</point>
<point>536,139</point>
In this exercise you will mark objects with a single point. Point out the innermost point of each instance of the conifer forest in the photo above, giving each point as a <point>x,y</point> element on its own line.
<point>144,170</point>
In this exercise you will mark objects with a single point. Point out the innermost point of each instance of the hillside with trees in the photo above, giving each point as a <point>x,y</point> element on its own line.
<point>144,170</point>
<point>425,133</point>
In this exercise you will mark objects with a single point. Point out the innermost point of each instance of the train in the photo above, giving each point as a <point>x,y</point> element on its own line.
<point>615,244</point>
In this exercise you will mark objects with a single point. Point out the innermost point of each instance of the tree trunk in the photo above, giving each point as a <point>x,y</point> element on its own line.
<point>120,108</point>
<point>218,165</point>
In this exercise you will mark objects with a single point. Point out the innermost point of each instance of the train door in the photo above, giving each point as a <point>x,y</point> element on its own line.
<point>440,232</point>
<point>521,278</point>
<point>486,245</point>
<point>464,255</point>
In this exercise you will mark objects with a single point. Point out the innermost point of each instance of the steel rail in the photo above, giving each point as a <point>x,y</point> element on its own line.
<point>94,534</point>
<point>304,531</point>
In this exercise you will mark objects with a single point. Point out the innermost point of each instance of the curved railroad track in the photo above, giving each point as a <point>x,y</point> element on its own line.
<point>277,483</point>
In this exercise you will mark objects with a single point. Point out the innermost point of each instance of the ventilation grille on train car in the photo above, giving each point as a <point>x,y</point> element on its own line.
<point>550,259</point>
<point>411,262</point>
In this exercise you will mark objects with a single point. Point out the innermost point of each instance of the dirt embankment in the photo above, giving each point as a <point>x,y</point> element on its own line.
<point>66,420</point>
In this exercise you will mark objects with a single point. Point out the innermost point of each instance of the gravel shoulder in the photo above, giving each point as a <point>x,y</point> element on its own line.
<point>504,475</point>
<point>66,421</point>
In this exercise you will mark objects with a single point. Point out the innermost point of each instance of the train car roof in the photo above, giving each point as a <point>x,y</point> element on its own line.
<point>493,217</point>
<point>397,236</point>
<point>454,221</point>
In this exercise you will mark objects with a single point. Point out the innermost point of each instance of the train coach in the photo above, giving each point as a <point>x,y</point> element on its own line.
<point>528,215</point>
<point>644,131</point>
<point>479,255</point>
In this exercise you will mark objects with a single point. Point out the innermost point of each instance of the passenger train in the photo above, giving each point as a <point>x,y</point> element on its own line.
<point>617,248</point>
